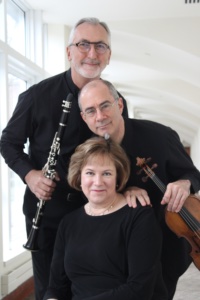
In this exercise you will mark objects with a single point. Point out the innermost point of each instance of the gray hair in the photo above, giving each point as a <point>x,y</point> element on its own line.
<point>94,83</point>
<point>92,21</point>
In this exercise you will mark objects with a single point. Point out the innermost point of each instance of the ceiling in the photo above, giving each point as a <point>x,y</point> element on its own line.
<point>155,60</point>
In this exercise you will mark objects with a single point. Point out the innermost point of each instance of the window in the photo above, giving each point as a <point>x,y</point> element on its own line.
<point>15,27</point>
<point>17,234</point>
<point>17,73</point>
<point>2,35</point>
<point>16,86</point>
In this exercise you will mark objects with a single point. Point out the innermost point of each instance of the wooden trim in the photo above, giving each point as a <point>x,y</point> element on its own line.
<point>23,291</point>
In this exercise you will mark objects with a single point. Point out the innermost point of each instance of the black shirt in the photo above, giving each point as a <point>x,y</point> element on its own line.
<point>115,256</point>
<point>36,120</point>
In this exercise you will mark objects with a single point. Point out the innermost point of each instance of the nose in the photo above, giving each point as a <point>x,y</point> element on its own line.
<point>92,52</point>
<point>99,114</point>
<point>98,179</point>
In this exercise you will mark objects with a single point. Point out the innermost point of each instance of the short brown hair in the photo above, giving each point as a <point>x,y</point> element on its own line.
<point>94,147</point>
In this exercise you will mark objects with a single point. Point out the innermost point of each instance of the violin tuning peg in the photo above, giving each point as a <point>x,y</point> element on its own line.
<point>144,179</point>
<point>139,172</point>
<point>154,166</point>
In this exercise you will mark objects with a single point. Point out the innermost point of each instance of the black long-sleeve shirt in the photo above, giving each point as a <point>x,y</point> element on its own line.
<point>115,256</point>
<point>146,139</point>
<point>36,120</point>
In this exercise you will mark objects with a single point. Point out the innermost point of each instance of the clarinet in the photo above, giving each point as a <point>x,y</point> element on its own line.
<point>49,172</point>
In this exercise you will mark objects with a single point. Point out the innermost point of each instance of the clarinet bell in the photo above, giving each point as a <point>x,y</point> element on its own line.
<point>31,244</point>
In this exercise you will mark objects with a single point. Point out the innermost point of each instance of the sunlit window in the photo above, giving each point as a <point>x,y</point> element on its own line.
<point>15,27</point>
<point>22,39</point>
<point>16,86</point>
<point>2,35</point>
<point>19,27</point>
<point>17,234</point>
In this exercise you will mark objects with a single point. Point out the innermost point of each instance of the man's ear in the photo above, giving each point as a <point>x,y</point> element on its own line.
<point>109,58</point>
<point>120,104</point>
<point>68,53</point>
<point>83,116</point>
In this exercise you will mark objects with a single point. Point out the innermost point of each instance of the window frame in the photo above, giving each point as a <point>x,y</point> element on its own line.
<point>28,67</point>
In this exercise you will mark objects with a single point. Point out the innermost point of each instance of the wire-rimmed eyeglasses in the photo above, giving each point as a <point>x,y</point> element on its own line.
<point>84,47</point>
<point>104,108</point>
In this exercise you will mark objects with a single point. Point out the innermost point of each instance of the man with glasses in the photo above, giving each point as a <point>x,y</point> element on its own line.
<point>36,119</point>
<point>85,46</point>
<point>104,108</point>
<point>101,108</point>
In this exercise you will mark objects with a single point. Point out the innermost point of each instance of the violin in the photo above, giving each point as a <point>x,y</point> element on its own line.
<point>185,223</point>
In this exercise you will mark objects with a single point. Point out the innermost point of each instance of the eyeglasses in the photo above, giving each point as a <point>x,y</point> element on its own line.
<point>84,47</point>
<point>104,108</point>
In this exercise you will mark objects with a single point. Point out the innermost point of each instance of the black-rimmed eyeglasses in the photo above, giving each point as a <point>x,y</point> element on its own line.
<point>84,47</point>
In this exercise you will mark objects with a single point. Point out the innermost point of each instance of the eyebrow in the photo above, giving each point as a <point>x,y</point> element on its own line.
<point>90,169</point>
<point>91,107</point>
<point>86,41</point>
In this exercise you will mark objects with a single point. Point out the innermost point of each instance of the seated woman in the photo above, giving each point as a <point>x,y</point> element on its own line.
<point>104,250</point>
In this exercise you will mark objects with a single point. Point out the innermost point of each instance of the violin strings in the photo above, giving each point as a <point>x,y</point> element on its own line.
<point>157,181</point>
<point>187,217</point>
<point>193,224</point>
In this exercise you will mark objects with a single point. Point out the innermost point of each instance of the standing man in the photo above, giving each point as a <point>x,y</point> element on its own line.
<point>101,108</point>
<point>36,119</point>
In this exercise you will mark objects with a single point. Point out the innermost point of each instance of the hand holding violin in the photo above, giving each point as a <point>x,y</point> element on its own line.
<point>175,195</point>
<point>183,210</point>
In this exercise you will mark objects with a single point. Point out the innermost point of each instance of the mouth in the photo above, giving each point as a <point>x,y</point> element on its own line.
<point>103,126</point>
<point>97,191</point>
<point>91,63</point>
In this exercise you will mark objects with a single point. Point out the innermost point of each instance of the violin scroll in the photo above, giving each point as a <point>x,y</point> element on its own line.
<point>142,163</point>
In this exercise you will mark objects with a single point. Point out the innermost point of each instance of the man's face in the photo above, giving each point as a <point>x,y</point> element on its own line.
<point>101,112</point>
<point>89,64</point>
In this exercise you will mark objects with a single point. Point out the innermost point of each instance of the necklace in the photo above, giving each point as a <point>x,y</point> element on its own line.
<point>105,211</point>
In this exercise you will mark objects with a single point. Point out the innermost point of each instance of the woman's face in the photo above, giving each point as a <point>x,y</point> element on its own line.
<point>98,180</point>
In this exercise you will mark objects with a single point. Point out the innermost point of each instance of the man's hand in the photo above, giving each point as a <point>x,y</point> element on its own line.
<point>133,193</point>
<point>176,194</point>
<point>39,185</point>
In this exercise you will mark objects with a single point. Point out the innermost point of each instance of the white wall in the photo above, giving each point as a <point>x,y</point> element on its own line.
<point>195,149</point>
<point>56,60</point>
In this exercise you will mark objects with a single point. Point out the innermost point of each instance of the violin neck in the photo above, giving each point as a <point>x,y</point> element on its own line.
<point>158,182</point>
